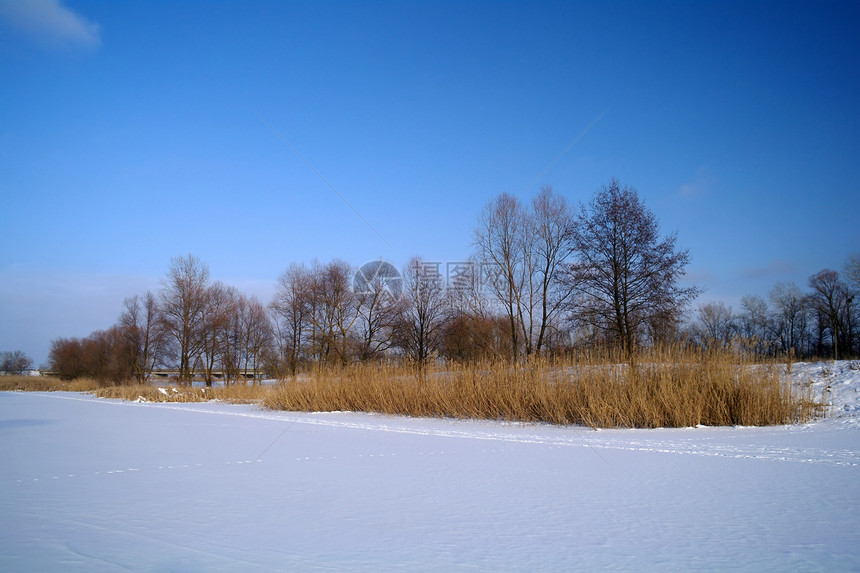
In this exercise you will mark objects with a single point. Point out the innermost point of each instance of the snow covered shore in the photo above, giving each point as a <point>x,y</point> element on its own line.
<point>102,485</point>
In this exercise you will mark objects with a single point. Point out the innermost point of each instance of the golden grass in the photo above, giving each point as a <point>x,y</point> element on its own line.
<point>151,393</point>
<point>237,393</point>
<point>45,384</point>
<point>661,389</point>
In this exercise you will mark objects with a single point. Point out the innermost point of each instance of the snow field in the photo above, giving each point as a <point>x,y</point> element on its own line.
<point>103,485</point>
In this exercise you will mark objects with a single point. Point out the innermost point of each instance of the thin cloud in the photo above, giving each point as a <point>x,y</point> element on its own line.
<point>700,276</point>
<point>700,185</point>
<point>50,24</point>
<point>774,269</point>
<point>38,306</point>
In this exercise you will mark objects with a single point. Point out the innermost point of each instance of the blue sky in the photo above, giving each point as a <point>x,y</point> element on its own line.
<point>131,133</point>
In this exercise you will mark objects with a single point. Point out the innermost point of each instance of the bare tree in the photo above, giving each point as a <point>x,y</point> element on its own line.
<point>291,311</point>
<point>526,251</point>
<point>104,355</point>
<point>789,318</point>
<point>333,311</point>
<point>418,328</point>
<point>255,333</point>
<point>183,303</point>
<point>833,302</point>
<point>377,288</point>
<point>553,228</point>
<point>753,324</point>
<point>852,277</point>
<point>499,243</point>
<point>144,329</point>
<point>65,358</point>
<point>110,355</point>
<point>14,362</point>
<point>231,356</point>
<point>626,274</point>
<point>215,347</point>
<point>715,324</point>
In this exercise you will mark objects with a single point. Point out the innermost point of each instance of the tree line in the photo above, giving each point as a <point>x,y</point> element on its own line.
<point>823,321</point>
<point>544,277</point>
<point>15,362</point>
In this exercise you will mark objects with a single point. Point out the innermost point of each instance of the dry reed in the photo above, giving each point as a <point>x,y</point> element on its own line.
<point>660,388</point>
<point>46,384</point>
<point>236,393</point>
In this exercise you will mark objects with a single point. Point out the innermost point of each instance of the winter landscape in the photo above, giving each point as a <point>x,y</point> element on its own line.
<point>429,286</point>
<point>106,485</point>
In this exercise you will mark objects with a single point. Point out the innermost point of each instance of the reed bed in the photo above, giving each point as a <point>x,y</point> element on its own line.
<point>235,393</point>
<point>673,388</point>
<point>46,384</point>
<point>657,388</point>
<point>155,391</point>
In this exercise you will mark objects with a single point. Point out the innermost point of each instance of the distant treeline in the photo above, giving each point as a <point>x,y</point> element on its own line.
<point>543,279</point>
<point>819,322</point>
<point>14,362</point>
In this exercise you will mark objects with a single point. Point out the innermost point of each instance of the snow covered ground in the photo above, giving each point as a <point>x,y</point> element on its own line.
<point>101,485</point>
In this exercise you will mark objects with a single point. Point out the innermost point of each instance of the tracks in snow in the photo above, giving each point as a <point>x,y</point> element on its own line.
<point>694,445</point>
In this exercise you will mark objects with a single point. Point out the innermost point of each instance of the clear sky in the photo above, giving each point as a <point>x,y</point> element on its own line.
<point>133,132</point>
